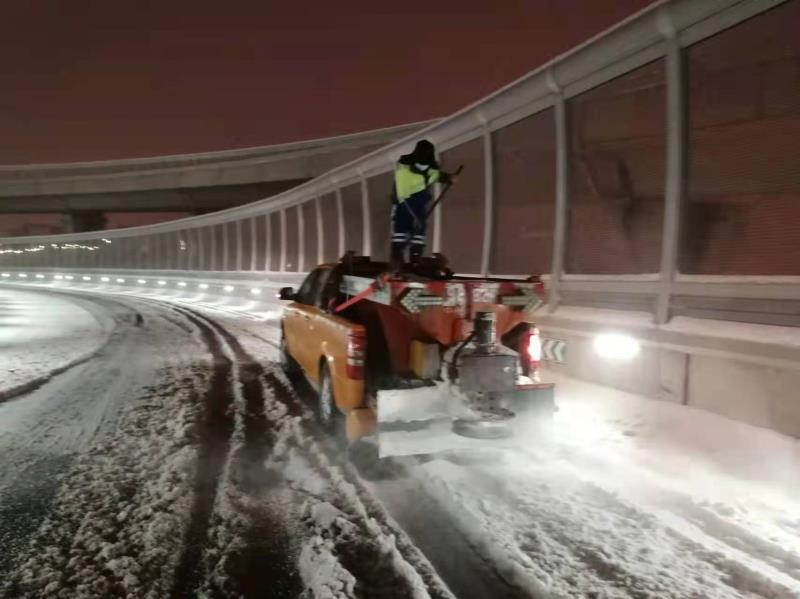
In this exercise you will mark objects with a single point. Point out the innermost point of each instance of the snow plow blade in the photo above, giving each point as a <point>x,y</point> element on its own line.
<point>428,420</point>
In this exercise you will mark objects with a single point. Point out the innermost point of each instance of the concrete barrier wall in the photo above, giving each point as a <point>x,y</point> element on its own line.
<point>747,372</point>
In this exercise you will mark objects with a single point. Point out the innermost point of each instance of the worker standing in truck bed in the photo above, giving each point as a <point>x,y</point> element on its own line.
<point>413,177</point>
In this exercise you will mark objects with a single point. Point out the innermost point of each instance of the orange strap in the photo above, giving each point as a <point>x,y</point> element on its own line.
<point>374,286</point>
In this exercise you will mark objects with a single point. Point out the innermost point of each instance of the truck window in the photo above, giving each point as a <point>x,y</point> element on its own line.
<point>307,292</point>
<point>329,288</point>
<point>317,290</point>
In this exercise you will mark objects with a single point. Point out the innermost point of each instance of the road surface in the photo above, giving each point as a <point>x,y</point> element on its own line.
<point>168,456</point>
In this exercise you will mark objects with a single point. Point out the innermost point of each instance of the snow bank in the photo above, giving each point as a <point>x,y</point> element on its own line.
<point>42,334</point>
<point>118,519</point>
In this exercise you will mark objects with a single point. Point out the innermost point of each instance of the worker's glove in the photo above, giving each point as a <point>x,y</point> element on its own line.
<point>446,178</point>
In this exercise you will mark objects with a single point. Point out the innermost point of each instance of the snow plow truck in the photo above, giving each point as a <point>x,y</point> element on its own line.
<point>415,357</point>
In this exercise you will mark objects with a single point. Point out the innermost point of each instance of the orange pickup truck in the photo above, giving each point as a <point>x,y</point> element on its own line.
<point>389,352</point>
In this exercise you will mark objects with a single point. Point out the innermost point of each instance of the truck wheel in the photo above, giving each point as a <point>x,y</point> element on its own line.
<point>328,415</point>
<point>288,363</point>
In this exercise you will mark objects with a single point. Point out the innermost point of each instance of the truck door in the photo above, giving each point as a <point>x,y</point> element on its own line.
<point>309,314</point>
<point>294,319</point>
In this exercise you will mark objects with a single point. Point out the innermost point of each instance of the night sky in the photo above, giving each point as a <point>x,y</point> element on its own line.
<point>91,80</point>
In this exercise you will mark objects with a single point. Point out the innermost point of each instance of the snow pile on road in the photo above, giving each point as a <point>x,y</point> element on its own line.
<point>632,497</point>
<point>118,519</point>
<point>41,335</point>
<point>345,529</point>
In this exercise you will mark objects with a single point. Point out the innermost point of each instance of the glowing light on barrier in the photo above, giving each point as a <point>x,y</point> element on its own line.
<point>141,281</point>
<point>616,346</point>
<point>22,275</point>
<point>162,282</point>
<point>120,280</point>
<point>86,278</point>
<point>40,276</point>
<point>105,279</point>
<point>69,277</point>
<point>181,284</point>
<point>228,288</point>
<point>58,277</point>
<point>203,285</point>
<point>255,291</point>
<point>5,275</point>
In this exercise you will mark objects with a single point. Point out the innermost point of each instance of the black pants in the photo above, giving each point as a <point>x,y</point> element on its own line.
<point>408,229</point>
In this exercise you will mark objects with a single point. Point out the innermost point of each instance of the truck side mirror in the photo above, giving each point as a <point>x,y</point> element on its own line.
<point>286,293</point>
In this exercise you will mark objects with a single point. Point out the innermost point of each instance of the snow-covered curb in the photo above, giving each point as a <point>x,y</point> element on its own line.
<point>45,335</point>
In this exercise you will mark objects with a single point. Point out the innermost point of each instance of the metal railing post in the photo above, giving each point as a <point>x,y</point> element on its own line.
<point>320,231</point>
<point>239,245</point>
<point>301,244</point>
<point>283,241</point>
<point>253,242</point>
<point>488,201</point>
<point>340,216</point>
<point>212,263</point>
<point>367,228</point>
<point>268,236</point>
<point>562,194</point>
<point>675,164</point>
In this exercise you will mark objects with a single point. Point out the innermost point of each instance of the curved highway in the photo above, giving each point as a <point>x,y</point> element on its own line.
<point>161,453</point>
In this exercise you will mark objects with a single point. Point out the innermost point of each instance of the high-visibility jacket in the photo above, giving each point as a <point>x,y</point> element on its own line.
<point>412,182</point>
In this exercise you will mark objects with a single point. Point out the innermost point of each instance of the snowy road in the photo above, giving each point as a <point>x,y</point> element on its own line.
<point>189,466</point>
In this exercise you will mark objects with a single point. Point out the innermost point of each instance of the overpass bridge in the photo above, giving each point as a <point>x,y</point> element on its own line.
<point>652,175</point>
<point>193,183</point>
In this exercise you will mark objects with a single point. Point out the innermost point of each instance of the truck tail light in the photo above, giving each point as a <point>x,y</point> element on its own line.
<point>530,350</point>
<point>356,351</point>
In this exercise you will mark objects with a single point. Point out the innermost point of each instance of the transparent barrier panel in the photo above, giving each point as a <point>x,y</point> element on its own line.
<point>379,189</point>
<point>617,134</point>
<point>274,222</point>
<point>353,212</point>
<point>463,208</point>
<point>742,209</point>
<point>330,226</point>
<point>310,240</point>
<point>524,195</point>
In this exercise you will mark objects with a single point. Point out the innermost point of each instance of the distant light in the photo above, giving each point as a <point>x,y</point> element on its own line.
<point>141,282</point>
<point>5,275</point>
<point>86,278</point>
<point>22,275</point>
<point>106,240</point>
<point>58,277</point>
<point>181,284</point>
<point>40,276</point>
<point>203,285</point>
<point>69,277</point>
<point>255,291</point>
<point>162,282</point>
<point>105,279</point>
<point>616,346</point>
<point>120,280</point>
<point>228,288</point>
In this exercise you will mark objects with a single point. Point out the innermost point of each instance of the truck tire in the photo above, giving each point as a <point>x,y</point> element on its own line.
<point>328,415</point>
<point>288,363</point>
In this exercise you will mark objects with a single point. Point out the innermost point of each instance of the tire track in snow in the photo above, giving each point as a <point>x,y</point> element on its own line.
<point>257,550</point>
<point>267,541</point>
<point>217,429</point>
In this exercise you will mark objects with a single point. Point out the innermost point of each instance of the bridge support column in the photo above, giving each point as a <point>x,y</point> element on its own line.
<point>84,220</point>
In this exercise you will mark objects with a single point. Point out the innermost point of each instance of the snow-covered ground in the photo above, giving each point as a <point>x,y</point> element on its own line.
<point>41,335</point>
<point>621,496</point>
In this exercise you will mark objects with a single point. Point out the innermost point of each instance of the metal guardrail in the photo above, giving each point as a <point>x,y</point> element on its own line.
<point>662,31</point>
